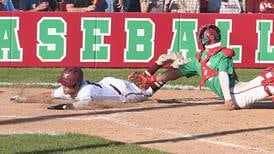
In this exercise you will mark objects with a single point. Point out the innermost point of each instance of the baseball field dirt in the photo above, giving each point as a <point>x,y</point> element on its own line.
<point>175,121</point>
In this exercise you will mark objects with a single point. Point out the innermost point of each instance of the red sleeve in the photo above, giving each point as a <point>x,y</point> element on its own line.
<point>198,56</point>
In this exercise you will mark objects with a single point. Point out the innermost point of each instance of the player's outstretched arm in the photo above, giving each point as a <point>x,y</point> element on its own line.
<point>169,75</point>
<point>229,105</point>
<point>224,82</point>
<point>39,98</point>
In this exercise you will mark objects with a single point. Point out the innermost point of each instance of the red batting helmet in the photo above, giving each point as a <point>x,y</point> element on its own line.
<point>71,76</point>
<point>209,34</point>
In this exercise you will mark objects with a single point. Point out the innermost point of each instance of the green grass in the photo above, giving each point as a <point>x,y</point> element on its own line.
<point>69,143</point>
<point>34,75</point>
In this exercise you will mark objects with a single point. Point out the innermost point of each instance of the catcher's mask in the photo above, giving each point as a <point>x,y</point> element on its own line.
<point>209,34</point>
<point>71,76</point>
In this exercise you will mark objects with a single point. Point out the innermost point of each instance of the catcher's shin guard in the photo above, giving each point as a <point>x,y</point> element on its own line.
<point>268,75</point>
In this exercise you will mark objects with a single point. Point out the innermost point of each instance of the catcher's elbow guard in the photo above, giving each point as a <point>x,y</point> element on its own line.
<point>179,62</point>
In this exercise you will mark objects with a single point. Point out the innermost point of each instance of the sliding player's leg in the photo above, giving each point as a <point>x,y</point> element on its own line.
<point>248,93</point>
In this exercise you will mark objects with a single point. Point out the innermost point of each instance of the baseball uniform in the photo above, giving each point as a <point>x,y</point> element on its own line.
<point>108,89</point>
<point>242,94</point>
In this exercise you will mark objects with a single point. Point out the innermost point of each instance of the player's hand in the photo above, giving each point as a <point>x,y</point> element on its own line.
<point>169,58</point>
<point>120,4</point>
<point>42,6</point>
<point>18,99</point>
<point>229,105</point>
<point>91,8</point>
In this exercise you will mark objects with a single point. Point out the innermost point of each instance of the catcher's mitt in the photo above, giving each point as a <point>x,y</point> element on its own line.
<point>141,80</point>
<point>61,107</point>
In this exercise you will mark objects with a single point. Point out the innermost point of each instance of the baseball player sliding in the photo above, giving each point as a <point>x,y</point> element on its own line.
<point>80,92</point>
<point>108,89</point>
<point>215,66</point>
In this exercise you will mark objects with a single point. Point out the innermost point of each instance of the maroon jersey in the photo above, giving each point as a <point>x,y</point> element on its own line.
<point>260,6</point>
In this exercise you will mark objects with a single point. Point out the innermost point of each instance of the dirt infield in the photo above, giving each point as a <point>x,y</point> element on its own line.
<point>175,121</point>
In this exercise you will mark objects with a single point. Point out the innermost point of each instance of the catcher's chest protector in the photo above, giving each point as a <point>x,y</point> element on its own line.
<point>205,70</point>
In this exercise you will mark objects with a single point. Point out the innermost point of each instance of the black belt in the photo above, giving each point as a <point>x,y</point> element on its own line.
<point>96,84</point>
<point>116,89</point>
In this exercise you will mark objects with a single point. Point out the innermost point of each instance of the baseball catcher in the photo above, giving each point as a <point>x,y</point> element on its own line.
<point>215,66</point>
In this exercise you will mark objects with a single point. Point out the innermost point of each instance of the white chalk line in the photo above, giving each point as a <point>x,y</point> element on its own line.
<point>180,135</point>
<point>38,84</point>
<point>111,118</point>
<point>33,133</point>
<point>66,118</point>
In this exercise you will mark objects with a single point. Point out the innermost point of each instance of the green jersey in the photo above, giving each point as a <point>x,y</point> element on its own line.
<point>218,62</point>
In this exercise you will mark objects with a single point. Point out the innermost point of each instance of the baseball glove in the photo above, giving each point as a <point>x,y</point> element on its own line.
<point>61,107</point>
<point>141,80</point>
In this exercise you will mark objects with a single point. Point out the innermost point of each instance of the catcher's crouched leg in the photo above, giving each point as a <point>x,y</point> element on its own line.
<point>141,80</point>
<point>268,81</point>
